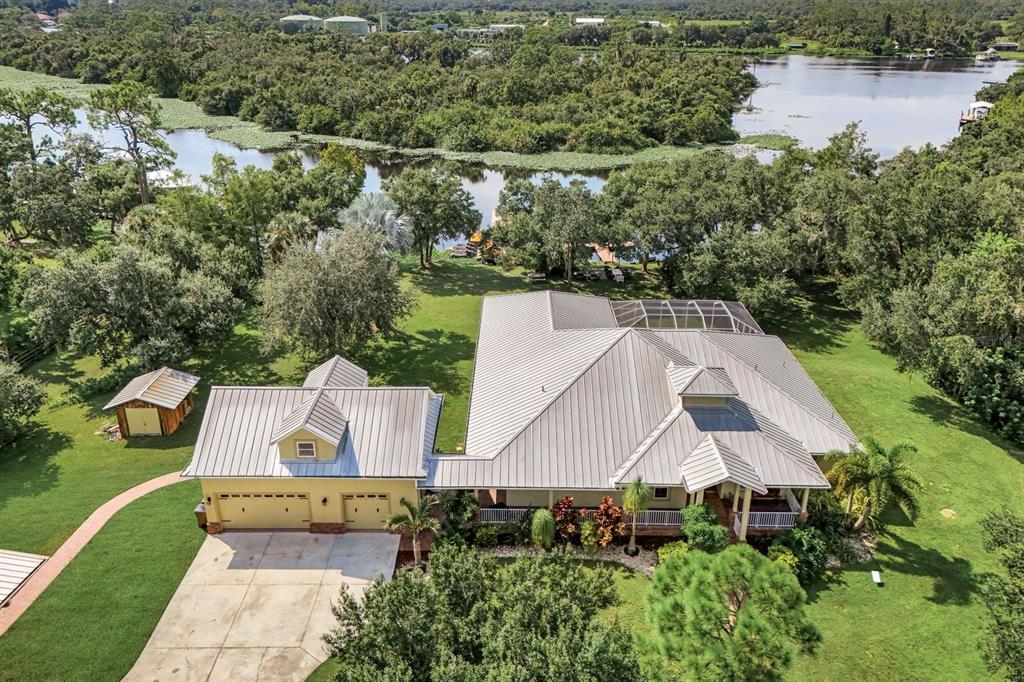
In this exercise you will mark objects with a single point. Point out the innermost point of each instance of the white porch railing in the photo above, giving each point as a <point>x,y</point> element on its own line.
<point>794,504</point>
<point>765,520</point>
<point>500,515</point>
<point>651,517</point>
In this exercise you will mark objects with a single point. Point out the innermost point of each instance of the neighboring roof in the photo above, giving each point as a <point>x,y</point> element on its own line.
<point>389,432</point>
<point>694,381</point>
<point>317,414</point>
<point>165,387</point>
<point>565,397</point>
<point>336,372</point>
<point>300,17</point>
<point>981,104</point>
<point>346,20</point>
<point>713,462</point>
<point>15,569</point>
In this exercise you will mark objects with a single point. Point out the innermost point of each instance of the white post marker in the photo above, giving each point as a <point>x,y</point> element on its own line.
<point>877,577</point>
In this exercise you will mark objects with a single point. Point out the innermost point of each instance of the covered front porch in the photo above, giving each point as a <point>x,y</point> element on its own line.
<point>741,510</point>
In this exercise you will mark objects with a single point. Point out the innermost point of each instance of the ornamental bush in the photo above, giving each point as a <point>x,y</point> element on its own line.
<point>610,521</point>
<point>542,528</point>
<point>677,548</point>
<point>486,536</point>
<point>567,518</point>
<point>702,529</point>
<point>810,549</point>
<point>589,537</point>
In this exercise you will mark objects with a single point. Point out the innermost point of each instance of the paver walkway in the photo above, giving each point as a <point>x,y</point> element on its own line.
<point>52,567</point>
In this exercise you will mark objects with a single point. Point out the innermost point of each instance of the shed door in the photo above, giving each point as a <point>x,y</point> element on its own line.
<point>264,510</point>
<point>367,511</point>
<point>143,421</point>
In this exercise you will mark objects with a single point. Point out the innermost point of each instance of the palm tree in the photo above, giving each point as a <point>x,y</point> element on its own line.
<point>636,498</point>
<point>287,229</point>
<point>414,520</point>
<point>849,475</point>
<point>377,212</point>
<point>878,475</point>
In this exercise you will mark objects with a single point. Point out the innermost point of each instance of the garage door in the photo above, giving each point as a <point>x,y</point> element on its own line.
<point>368,511</point>
<point>266,510</point>
<point>142,421</point>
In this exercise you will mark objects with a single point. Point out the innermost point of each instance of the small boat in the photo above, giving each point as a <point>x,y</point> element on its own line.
<point>988,55</point>
<point>977,111</point>
<point>913,55</point>
<point>929,54</point>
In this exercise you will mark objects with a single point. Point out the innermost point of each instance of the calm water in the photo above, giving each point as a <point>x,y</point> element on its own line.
<point>899,102</point>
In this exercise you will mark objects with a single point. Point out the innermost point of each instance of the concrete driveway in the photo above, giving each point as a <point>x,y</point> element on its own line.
<point>253,606</point>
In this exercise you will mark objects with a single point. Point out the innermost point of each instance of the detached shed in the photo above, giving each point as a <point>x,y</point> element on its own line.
<point>155,403</point>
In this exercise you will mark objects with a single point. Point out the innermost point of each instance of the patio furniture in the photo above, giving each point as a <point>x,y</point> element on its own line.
<point>617,274</point>
<point>536,277</point>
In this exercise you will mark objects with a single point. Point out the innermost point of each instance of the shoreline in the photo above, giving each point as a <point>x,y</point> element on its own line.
<point>177,115</point>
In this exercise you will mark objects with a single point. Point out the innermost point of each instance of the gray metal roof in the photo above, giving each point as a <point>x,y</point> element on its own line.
<point>713,462</point>
<point>389,432</point>
<point>564,397</point>
<point>15,569</point>
<point>336,372</point>
<point>695,381</point>
<point>165,387</point>
<point>318,414</point>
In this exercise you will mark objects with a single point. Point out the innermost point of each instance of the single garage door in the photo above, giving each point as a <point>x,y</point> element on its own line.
<point>264,510</point>
<point>366,511</point>
<point>142,421</point>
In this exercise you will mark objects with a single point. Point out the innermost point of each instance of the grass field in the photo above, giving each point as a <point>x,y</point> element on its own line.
<point>93,621</point>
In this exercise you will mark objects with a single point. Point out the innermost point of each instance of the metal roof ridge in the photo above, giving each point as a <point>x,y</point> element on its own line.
<point>647,443</point>
<point>560,393</point>
<point>156,375</point>
<point>317,388</point>
<point>783,391</point>
<point>771,438</point>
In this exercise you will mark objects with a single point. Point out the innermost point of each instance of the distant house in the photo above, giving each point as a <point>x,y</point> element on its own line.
<point>1006,46</point>
<point>474,33</point>
<point>440,27</point>
<point>295,23</point>
<point>571,395</point>
<point>505,28</point>
<point>155,403</point>
<point>589,21</point>
<point>344,24</point>
<point>649,23</point>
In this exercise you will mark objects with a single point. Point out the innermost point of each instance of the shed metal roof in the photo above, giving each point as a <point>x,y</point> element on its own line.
<point>336,372</point>
<point>165,387</point>
<point>15,569</point>
<point>389,432</point>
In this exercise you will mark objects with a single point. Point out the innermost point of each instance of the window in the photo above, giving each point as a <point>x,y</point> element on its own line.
<point>305,449</point>
<point>661,493</point>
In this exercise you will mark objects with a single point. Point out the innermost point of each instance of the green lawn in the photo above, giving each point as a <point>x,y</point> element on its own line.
<point>93,621</point>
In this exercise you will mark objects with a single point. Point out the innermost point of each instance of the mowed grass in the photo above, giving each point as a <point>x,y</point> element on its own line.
<point>53,478</point>
<point>95,618</point>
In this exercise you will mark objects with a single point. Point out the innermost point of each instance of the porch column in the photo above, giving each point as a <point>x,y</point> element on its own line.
<point>803,503</point>
<point>745,519</point>
<point>551,498</point>
<point>737,491</point>
<point>687,500</point>
<point>700,497</point>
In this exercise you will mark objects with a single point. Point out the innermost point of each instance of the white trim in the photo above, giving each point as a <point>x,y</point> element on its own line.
<point>298,449</point>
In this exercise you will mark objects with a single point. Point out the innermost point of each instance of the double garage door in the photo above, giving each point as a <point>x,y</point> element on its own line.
<point>364,511</point>
<point>269,510</point>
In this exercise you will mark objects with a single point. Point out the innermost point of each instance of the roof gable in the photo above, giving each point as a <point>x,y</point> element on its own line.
<point>336,371</point>
<point>165,387</point>
<point>694,381</point>
<point>713,462</point>
<point>317,414</point>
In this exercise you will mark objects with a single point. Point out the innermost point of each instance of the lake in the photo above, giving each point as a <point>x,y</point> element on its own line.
<point>899,102</point>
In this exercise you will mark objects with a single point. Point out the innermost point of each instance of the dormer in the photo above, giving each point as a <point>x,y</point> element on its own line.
<point>697,385</point>
<point>313,431</point>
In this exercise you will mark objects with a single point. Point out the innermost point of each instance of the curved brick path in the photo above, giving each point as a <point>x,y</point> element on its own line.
<point>52,567</point>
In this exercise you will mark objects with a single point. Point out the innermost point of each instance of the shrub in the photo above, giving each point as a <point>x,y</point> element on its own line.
<point>809,547</point>
<point>702,529</point>
<point>542,528</point>
<point>567,518</point>
<point>589,537</point>
<point>459,510</point>
<point>20,399</point>
<point>610,521</point>
<point>487,536</point>
<point>784,556</point>
<point>677,548</point>
<point>522,528</point>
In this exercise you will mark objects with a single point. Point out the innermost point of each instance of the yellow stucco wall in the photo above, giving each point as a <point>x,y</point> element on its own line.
<point>316,488</point>
<point>588,498</point>
<point>325,451</point>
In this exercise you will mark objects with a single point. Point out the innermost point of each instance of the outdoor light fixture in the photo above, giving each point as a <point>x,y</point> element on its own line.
<point>209,499</point>
<point>323,501</point>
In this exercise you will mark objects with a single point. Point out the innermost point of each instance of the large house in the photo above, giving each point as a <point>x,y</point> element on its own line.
<point>572,395</point>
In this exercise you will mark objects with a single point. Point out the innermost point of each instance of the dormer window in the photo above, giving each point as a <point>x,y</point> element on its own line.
<point>305,449</point>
